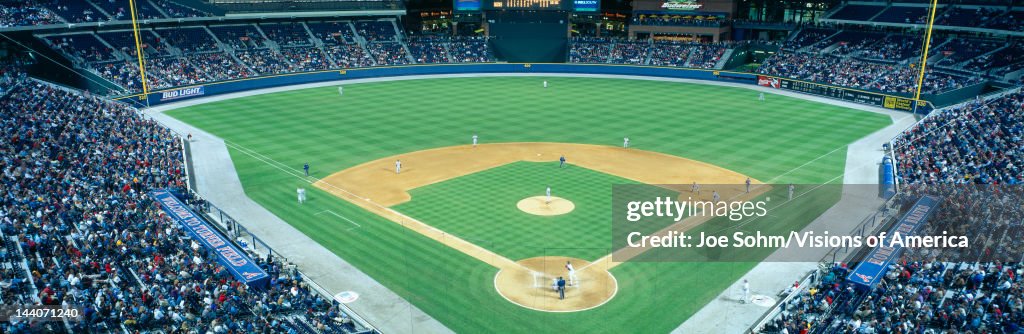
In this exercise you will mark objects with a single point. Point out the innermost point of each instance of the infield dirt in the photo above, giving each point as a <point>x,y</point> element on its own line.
<point>376,187</point>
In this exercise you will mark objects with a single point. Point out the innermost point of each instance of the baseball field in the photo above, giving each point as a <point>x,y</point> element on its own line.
<point>450,233</point>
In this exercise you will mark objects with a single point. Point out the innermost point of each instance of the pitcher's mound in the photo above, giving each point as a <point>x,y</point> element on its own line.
<point>529,285</point>
<point>537,205</point>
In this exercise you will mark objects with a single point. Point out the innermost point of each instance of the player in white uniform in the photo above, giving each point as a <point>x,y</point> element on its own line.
<point>474,140</point>
<point>746,291</point>
<point>791,189</point>
<point>625,142</point>
<point>398,166</point>
<point>695,188</point>
<point>548,193</point>
<point>715,197</point>
<point>572,273</point>
<point>341,90</point>
<point>545,84</point>
<point>302,195</point>
<point>761,97</point>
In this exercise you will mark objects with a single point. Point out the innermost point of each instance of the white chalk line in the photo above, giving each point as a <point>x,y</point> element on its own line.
<point>339,216</point>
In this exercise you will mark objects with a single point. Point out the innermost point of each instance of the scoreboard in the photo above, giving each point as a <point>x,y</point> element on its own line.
<point>592,6</point>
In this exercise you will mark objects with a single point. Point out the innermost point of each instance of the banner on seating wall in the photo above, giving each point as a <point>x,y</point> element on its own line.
<point>231,257</point>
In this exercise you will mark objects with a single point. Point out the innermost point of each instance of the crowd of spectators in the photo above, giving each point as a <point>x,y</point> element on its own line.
<point>77,221</point>
<point>427,50</point>
<point>647,52</point>
<point>469,50</point>
<point>307,59</point>
<point>894,47</point>
<point>25,13</point>
<point>349,55</point>
<point>264,61</point>
<point>670,54</point>
<point>175,72</point>
<point>589,50</point>
<point>630,52</point>
<point>15,13</point>
<point>806,37</point>
<point>979,142</point>
<point>854,73</point>
<point>387,53</point>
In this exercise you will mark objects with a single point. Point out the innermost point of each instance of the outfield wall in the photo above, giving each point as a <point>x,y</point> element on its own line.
<point>238,85</point>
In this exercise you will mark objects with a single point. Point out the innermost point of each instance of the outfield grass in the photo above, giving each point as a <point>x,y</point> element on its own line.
<point>781,140</point>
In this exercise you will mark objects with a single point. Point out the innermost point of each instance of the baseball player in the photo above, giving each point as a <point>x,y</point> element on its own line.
<point>625,142</point>
<point>715,197</point>
<point>341,90</point>
<point>572,273</point>
<point>302,195</point>
<point>761,97</point>
<point>474,139</point>
<point>695,188</point>
<point>561,161</point>
<point>545,84</point>
<point>548,193</point>
<point>746,291</point>
<point>554,284</point>
<point>305,167</point>
<point>791,189</point>
<point>748,185</point>
<point>398,166</point>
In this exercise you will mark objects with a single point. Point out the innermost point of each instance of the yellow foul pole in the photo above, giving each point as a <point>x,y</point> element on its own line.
<point>138,51</point>
<point>927,44</point>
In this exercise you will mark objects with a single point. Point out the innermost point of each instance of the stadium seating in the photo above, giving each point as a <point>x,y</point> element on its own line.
<point>807,37</point>
<point>670,54</point>
<point>630,52</point>
<point>387,53</point>
<point>589,50</point>
<point>25,13</point>
<point>119,10</point>
<point>856,12</point>
<point>376,31</point>
<point>901,14</point>
<point>959,50</point>
<point>78,228</point>
<point>427,50</point>
<point>1012,21</point>
<point>469,50</point>
<point>979,142</point>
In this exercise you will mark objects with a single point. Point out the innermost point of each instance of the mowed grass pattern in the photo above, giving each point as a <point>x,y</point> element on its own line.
<point>781,140</point>
<point>481,208</point>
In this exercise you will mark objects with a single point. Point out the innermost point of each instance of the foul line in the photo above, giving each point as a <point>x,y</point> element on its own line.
<point>495,259</point>
<point>339,216</point>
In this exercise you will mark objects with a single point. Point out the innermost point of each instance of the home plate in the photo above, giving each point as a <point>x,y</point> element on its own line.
<point>346,297</point>
<point>762,300</point>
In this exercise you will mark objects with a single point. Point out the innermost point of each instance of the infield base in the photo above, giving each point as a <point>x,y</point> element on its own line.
<point>529,285</point>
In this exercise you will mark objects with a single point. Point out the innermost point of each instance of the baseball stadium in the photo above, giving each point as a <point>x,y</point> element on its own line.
<point>511,166</point>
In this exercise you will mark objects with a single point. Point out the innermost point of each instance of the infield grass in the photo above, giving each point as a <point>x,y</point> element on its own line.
<point>781,140</point>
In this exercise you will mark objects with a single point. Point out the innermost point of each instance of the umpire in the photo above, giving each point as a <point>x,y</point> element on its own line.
<point>561,287</point>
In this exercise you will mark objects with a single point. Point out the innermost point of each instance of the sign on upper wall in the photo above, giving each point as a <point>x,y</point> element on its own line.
<point>467,5</point>
<point>682,5</point>
<point>586,5</point>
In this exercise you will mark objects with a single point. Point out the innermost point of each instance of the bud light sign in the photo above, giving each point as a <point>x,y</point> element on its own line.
<point>182,93</point>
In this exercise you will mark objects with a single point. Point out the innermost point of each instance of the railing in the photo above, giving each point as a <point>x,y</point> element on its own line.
<point>879,218</point>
